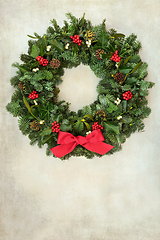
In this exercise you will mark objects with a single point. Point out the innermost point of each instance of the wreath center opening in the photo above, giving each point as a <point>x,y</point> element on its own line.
<point>78,87</point>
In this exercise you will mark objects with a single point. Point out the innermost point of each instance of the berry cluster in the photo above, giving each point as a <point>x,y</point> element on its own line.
<point>95,126</point>
<point>127,95</point>
<point>33,95</point>
<point>42,61</point>
<point>55,63</point>
<point>55,127</point>
<point>115,57</point>
<point>76,39</point>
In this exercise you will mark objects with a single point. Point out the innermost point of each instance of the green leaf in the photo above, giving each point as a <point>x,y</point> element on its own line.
<point>131,81</point>
<point>111,127</point>
<point>79,126</point>
<point>47,139</point>
<point>46,131</point>
<point>58,45</point>
<point>35,51</point>
<point>65,128</point>
<point>112,107</point>
<point>127,59</point>
<point>32,36</point>
<point>102,99</point>
<point>23,68</point>
<point>87,126</point>
<point>65,121</point>
<point>145,85</point>
<point>120,35</point>
<point>127,118</point>
<point>125,69</point>
<point>102,41</point>
<point>27,104</point>
<point>136,67</point>
<point>89,116</point>
<point>124,104</point>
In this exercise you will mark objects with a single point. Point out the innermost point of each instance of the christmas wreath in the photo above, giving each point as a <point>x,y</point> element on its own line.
<point>96,129</point>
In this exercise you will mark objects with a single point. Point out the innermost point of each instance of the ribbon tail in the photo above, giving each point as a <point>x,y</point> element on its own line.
<point>98,147</point>
<point>63,149</point>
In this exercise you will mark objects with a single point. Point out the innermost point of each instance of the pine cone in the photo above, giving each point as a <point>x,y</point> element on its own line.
<point>99,53</point>
<point>119,77</point>
<point>35,126</point>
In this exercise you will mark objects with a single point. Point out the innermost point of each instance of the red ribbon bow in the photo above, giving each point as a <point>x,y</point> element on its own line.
<point>93,142</point>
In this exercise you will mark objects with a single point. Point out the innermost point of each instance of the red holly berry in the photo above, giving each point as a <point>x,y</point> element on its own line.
<point>127,95</point>
<point>38,58</point>
<point>33,95</point>
<point>42,61</point>
<point>76,39</point>
<point>115,57</point>
<point>95,126</point>
<point>55,127</point>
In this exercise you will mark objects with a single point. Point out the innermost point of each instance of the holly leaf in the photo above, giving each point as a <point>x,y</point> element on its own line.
<point>125,69</point>
<point>65,128</point>
<point>111,127</point>
<point>58,45</point>
<point>102,41</point>
<point>46,131</point>
<point>23,68</point>
<point>131,81</point>
<point>35,51</point>
<point>45,110</point>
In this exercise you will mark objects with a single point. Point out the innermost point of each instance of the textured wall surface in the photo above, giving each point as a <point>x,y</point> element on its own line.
<point>112,198</point>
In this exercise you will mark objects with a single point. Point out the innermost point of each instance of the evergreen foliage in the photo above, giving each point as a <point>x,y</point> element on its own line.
<point>118,117</point>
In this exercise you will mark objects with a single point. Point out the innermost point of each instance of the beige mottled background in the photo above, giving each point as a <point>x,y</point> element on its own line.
<point>112,198</point>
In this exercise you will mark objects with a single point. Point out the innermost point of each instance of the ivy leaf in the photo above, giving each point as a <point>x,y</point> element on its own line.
<point>35,51</point>
<point>58,45</point>
<point>112,107</point>
<point>111,127</point>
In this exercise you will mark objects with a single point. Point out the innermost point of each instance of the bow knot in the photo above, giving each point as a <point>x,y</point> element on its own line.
<point>93,142</point>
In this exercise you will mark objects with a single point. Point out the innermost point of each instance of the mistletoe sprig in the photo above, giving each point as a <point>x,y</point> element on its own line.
<point>121,104</point>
